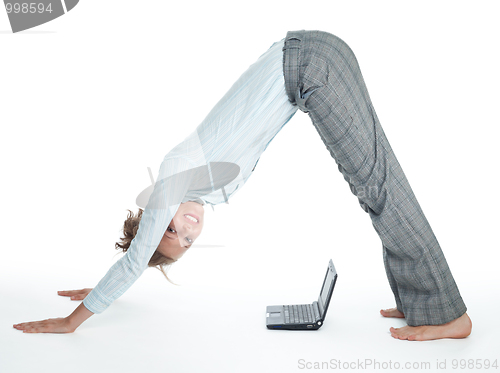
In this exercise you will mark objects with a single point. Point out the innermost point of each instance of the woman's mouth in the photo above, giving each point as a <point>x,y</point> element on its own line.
<point>192,218</point>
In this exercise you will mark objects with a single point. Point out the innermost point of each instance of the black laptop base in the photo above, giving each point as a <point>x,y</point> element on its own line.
<point>314,326</point>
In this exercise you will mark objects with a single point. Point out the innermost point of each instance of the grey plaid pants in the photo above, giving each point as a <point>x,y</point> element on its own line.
<point>323,78</point>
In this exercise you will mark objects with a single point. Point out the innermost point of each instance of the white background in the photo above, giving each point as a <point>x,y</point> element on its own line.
<point>91,99</point>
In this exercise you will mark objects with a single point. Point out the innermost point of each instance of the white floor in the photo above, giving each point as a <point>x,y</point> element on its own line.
<point>209,325</point>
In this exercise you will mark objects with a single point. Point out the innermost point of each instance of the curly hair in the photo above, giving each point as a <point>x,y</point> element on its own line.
<point>130,228</point>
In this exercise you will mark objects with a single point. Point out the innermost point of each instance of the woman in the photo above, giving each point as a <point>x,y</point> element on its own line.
<point>318,73</point>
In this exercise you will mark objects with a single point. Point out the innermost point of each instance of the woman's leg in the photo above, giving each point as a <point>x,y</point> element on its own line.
<point>323,78</point>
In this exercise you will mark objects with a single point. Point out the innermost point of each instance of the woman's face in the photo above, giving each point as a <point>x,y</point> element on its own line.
<point>182,230</point>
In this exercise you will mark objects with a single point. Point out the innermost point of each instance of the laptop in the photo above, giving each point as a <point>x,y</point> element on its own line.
<point>304,316</point>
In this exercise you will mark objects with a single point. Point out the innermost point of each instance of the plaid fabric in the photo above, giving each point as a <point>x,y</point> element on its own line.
<point>323,79</point>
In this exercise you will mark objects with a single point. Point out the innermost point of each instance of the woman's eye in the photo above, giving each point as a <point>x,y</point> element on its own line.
<point>173,231</point>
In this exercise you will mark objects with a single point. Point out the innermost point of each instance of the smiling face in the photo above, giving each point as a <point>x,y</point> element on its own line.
<point>182,231</point>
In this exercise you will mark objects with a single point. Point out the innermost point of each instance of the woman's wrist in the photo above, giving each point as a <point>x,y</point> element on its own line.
<point>79,315</point>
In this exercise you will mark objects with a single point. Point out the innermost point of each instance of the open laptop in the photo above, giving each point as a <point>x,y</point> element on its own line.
<point>304,316</point>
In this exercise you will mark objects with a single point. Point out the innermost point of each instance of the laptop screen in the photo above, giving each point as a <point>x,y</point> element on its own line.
<point>326,290</point>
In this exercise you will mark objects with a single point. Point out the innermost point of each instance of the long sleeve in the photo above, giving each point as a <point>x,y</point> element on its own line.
<point>221,153</point>
<point>170,188</point>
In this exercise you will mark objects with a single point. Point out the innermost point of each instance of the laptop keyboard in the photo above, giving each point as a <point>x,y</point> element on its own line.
<point>299,314</point>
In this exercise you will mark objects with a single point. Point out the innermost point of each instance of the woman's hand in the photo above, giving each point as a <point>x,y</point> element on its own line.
<point>59,325</point>
<point>75,294</point>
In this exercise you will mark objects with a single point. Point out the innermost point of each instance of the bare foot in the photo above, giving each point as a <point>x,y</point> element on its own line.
<point>392,312</point>
<point>458,328</point>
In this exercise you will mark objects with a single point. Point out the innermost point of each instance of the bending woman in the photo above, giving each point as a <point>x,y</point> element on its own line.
<point>318,73</point>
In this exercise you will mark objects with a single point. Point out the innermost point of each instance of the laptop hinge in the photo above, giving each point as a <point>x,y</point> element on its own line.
<point>317,314</point>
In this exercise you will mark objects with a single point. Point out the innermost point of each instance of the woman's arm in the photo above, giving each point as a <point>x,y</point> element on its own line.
<point>171,186</point>
<point>79,315</point>
<point>61,324</point>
